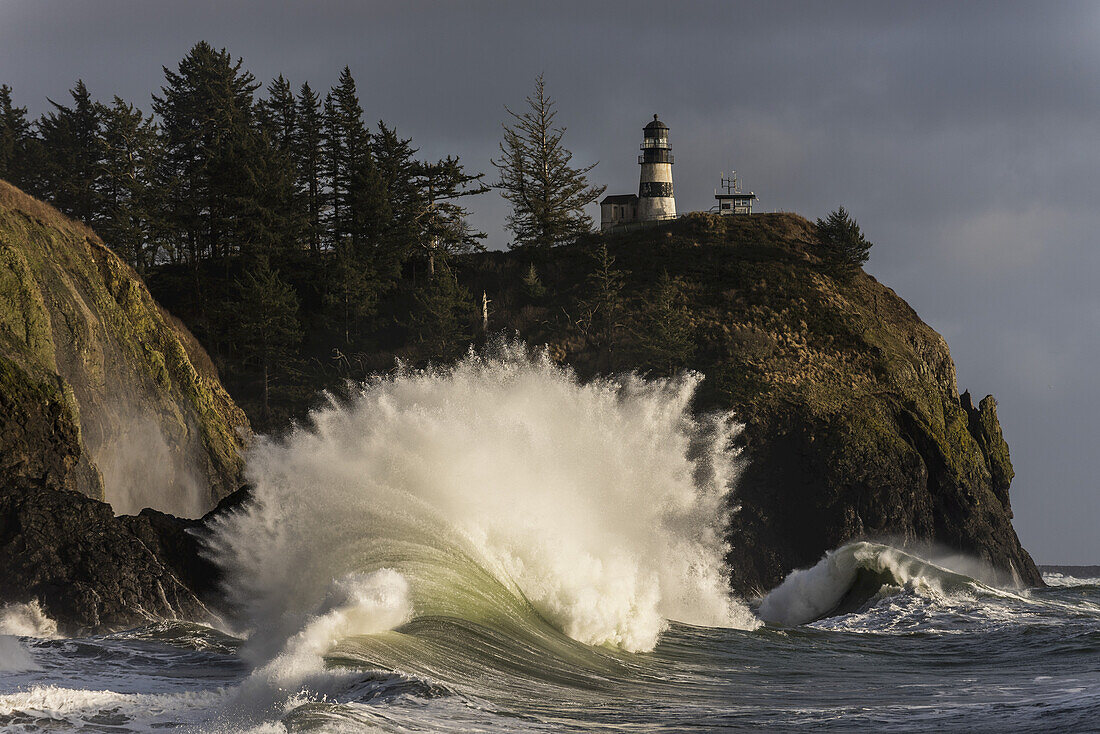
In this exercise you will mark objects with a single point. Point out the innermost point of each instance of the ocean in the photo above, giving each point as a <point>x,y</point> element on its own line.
<point>496,546</point>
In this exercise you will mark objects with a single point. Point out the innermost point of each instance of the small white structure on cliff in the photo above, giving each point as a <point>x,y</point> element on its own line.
<point>655,200</point>
<point>732,200</point>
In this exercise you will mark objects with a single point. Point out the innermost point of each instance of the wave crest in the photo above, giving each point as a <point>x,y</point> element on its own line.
<point>848,577</point>
<point>503,491</point>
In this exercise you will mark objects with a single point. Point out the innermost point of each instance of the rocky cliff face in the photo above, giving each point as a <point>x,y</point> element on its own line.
<point>854,427</point>
<point>101,392</point>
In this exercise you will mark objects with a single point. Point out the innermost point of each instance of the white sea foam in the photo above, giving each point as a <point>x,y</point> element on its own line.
<point>808,594</point>
<point>1055,578</point>
<point>71,709</point>
<point>26,620</point>
<point>21,620</point>
<point>357,604</point>
<point>599,504</point>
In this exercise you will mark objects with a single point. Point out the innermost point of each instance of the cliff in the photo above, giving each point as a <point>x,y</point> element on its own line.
<point>854,426</point>
<point>101,391</point>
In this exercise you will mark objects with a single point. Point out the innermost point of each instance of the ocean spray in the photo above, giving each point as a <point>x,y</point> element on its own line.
<point>495,488</point>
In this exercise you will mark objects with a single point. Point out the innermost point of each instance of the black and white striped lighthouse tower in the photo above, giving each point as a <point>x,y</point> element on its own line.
<point>655,199</point>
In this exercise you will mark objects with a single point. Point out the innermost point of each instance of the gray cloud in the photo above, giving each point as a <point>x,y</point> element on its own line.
<point>962,135</point>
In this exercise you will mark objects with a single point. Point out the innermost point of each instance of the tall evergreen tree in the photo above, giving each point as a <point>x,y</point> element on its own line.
<point>603,307</point>
<point>364,265</point>
<point>309,161</point>
<point>441,315</point>
<point>130,185</point>
<point>15,140</point>
<point>665,333</point>
<point>400,173</point>
<point>332,147</point>
<point>268,330</point>
<point>443,229</point>
<point>279,115</point>
<point>206,110</point>
<point>348,146</point>
<point>72,145</point>
<point>547,195</point>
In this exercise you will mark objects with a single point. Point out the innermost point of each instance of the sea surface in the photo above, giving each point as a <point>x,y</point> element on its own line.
<point>910,660</point>
<point>496,546</point>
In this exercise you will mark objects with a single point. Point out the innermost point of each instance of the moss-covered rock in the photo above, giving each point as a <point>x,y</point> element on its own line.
<point>99,392</point>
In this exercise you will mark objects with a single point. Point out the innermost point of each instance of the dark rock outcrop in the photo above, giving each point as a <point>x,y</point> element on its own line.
<point>93,572</point>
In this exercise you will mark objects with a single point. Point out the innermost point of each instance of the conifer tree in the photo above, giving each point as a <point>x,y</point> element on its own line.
<point>399,171</point>
<point>532,284</point>
<point>279,115</point>
<point>603,308</point>
<point>206,110</point>
<point>72,145</point>
<point>130,187</point>
<point>15,140</point>
<point>547,195</point>
<point>332,146</point>
<point>665,334</point>
<point>443,230</point>
<point>268,330</point>
<point>348,147</point>
<point>441,315</point>
<point>843,246</point>
<point>309,161</point>
<point>364,264</point>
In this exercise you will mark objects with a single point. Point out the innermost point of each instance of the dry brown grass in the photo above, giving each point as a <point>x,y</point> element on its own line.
<point>15,199</point>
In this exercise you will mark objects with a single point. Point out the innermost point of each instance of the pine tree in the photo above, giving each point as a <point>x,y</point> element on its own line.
<point>532,284</point>
<point>130,186</point>
<point>603,310</point>
<point>665,333</point>
<point>843,246</point>
<point>268,330</point>
<point>72,145</point>
<point>206,110</point>
<point>279,115</point>
<point>441,315</point>
<point>348,145</point>
<point>365,264</point>
<point>15,140</point>
<point>442,228</point>
<point>309,161</point>
<point>547,195</point>
<point>399,172</point>
<point>352,293</point>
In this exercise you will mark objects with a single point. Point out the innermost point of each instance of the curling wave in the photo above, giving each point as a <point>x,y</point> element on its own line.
<point>852,575</point>
<point>499,496</point>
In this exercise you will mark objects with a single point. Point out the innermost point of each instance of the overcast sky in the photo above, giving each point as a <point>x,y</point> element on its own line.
<point>964,137</point>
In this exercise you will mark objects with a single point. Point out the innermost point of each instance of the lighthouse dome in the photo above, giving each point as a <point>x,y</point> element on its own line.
<point>656,125</point>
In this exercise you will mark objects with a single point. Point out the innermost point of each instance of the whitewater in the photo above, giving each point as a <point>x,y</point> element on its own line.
<point>499,546</point>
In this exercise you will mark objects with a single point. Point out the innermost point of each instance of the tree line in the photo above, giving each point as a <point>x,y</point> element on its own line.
<point>276,221</point>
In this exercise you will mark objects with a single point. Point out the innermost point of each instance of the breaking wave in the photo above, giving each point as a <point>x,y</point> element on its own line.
<point>850,577</point>
<point>497,498</point>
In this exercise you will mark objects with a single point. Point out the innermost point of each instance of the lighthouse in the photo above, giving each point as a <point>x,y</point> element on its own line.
<point>655,199</point>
